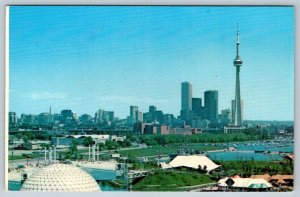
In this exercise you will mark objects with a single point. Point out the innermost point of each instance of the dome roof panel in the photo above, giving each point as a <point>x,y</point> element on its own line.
<point>60,177</point>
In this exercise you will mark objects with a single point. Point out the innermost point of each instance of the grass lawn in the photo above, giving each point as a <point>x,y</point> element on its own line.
<point>17,157</point>
<point>170,181</point>
<point>154,151</point>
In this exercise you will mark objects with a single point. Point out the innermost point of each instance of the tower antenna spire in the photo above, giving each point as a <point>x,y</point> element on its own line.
<point>237,41</point>
<point>238,33</point>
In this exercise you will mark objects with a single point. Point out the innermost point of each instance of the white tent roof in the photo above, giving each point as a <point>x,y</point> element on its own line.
<point>191,161</point>
<point>243,182</point>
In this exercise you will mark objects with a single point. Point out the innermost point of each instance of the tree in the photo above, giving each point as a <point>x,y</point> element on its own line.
<point>25,138</point>
<point>73,151</point>
<point>88,141</point>
<point>101,146</point>
<point>44,145</point>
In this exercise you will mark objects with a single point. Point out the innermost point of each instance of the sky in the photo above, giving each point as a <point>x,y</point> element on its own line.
<point>89,57</point>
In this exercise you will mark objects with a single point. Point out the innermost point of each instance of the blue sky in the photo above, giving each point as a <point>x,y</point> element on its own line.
<point>85,58</point>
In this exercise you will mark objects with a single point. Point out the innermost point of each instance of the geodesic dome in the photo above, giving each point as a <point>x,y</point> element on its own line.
<point>61,177</point>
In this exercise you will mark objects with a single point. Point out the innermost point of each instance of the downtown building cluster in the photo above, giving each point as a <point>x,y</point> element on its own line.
<point>194,117</point>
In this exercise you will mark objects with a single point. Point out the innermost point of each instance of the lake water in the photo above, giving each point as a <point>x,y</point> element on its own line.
<point>235,156</point>
<point>245,151</point>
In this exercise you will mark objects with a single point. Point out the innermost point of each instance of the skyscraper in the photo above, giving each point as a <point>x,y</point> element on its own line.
<point>133,113</point>
<point>211,105</point>
<point>186,102</point>
<point>186,95</point>
<point>66,115</point>
<point>12,118</point>
<point>152,108</point>
<point>237,120</point>
<point>196,106</point>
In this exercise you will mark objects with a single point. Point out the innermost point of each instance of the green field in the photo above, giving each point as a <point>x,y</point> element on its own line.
<point>165,150</point>
<point>29,156</point>
<point>170,181</point>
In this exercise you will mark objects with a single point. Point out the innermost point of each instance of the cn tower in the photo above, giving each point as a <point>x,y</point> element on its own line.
<point>237,103</point>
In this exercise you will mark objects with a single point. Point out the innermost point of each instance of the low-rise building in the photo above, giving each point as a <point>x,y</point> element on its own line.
<point>35,145</point>
<point>67,140</point>
<point>238,183</point>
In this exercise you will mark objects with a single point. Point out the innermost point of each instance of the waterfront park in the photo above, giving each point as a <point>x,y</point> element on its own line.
<point>138,159</point>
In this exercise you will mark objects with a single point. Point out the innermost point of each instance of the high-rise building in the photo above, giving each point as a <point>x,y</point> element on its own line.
<point>133,113</point>
<point>29,119</point>
<point>186,102</point>
<point>152,108</point>
<point>211,105</point>
<point>159,116</point>
<point>186,96</point>
<point>45,118</point>
<point>139,116</point>
<point>12,119</point>
<point>238,121</point>
<point>100,115</point>
<point>151,116</point>
<point>111,116</point>
<point>66,114</point>
<point>86,119</point>
<point>196,106</point>
<point>168,119</point>
<point>147,117</point>
<point>186,115</point>
<point>225,117</point>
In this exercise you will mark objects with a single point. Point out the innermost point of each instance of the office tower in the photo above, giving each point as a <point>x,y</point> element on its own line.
<point>100,115</point>
<point>152,108</point>
<point>238,121</point>
<point>147,117</point>
<point>151,115</point>
<point>133,113</point>
<point>86,119</point>
<point>225,117</point>
<point>75,116</point>
<point>44,118</point>
<point>12,118</point>
<point>186,96</point>
<point>186,102</point>
<point>66,114</point>
<point>196,106</point>
<point>139,116</point>
<point>111,115</point>
<point>211,105</point>
<point>168,119</point>
<point>159,116</point>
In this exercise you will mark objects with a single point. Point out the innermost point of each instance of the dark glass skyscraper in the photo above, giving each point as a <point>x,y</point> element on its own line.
<point>211,105</point>
<point>196,106</point>
<point>186,96</point>
<point>186,102</point>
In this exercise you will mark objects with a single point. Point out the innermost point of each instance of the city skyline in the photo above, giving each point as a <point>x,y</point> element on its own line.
<point>144,61</point>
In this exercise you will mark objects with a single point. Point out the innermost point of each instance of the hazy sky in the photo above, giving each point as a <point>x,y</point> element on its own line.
<point>85,58</point>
